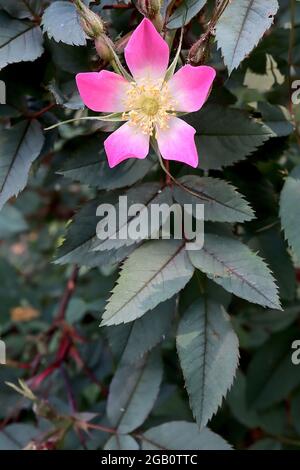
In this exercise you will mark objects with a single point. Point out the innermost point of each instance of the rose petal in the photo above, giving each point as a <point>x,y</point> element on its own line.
<point>190,87</point>
<point>126,142</point>
<point>102,91</point>
<point>177,142</point>
<point>147,54</point>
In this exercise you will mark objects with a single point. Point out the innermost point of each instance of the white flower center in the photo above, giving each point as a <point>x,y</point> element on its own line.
<point>149,104</point>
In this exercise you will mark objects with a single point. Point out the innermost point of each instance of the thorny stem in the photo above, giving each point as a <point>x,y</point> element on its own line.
<point>42,111</point>
<point>218,12</point>
<point>68,292</point>
<point>72,401</point>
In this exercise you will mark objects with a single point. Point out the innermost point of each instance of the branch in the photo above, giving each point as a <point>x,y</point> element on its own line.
<point>67,294</point>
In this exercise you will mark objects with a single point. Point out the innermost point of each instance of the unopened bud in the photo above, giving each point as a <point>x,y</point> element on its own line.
<point>91,23</point>
<point>104,47</point>
<point>149,8</point>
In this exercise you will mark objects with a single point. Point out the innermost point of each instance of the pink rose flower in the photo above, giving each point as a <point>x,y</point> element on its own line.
<point>148,103</point>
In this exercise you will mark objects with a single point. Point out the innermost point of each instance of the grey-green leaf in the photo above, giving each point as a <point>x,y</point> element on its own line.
<point>21,8</point>
<point>184,13</point>
<point>81,236</point>
<point>12,222</point>
<point>182,435</point>
<point>62,23</point>
<point>290,210</point>
<point>16,436</point>
<point>238,404</point>
<point>270,245</point>
<point>222,202</point>
<point>86,162</point>
<point>132,341</point>
<point>19,40</point>
<point>208,351</point>
<point>225,136</point>
<point>121,442</point>
<point>20,146</point>
<point>235,267</point>
<point>133,392</point>
<point>153,273</point>
<point>271,374</point>
<point>274,117</point>
<point>241,26</point>
<point>133,228</point>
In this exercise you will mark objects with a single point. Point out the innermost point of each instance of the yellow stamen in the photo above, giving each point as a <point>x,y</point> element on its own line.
<point>149,104</point>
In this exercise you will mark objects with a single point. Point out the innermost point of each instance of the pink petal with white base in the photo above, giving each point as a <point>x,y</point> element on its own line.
<point>147,54</point>
<point>126,142</point>
<point>190,87</point>
<point>103,91</point>
<point>177,142</point>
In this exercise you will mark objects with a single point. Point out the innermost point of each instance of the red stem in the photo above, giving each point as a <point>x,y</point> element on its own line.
<point>68,292</point>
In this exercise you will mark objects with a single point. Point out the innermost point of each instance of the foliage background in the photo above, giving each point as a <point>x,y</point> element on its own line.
<point>157,380</point>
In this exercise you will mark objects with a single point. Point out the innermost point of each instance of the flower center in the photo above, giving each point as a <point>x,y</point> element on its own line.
<point>149,104</point>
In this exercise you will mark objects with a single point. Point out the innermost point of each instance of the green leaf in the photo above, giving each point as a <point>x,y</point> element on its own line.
<point>16,436</point>
<point>208,351</point>
<point>20,146</point>
<point>148,194</point>
<point>132,341</point>
<point>225,136</point>
<point>68,58</point>
<point>19,41</point>
<point>62,23</point>
<point>21,8</point>
<point>272,248</point>
<point>182,435</point>
<point>271,374</point>
<point>222,202</point>
<point>241,26</point>
<point>81,237</point>
<point>12,222</point>
<point>76,310</point>
<point>121,442</point>
<point>133,392</point>
<point>83,246</point>
<point>85,161</point>
<point>274,117</point>
<point>258,324</point>
<point>231,264</point>
<point>152,273</point>
<point>67,95</point>
<point>238,404</point>
<point>184,13</point>
<point>290,210</point>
